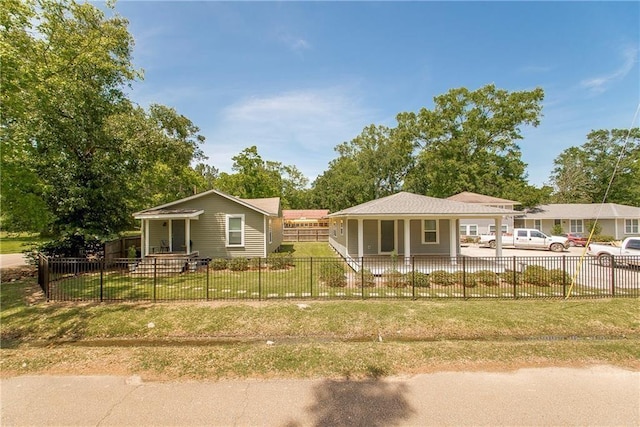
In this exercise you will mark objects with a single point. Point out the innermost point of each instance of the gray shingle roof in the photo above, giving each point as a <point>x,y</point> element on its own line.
<point>469,197</point>
<point>410,204</point>
<point>583,211</point>
<point>270,205</point>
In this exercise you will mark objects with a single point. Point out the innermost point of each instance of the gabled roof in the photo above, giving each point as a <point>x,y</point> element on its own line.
<point>291,214</point>
<point>583,211</point>
<point>409,204</point>
<point>469,197</point>
<point>268,206</point>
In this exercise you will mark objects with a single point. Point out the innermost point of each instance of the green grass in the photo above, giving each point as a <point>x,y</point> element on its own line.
<point>14,243</point>
<point>324,338</point>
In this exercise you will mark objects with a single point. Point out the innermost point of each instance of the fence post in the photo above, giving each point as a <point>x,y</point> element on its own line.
<point>464,278</point>
<point>564,276</point>
<point>413,276</point>
<point>362,277</point>
<point>311,276</point>
<point>515,279</point>
<point>155,275</point>
<point>207,280</point>
<point>102,262</point>
<point>613,276</point>
<point>259,279</point>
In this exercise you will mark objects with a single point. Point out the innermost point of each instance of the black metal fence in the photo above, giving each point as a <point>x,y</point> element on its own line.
<point>184,279</point>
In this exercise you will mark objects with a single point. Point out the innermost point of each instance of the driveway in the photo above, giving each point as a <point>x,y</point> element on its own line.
<point>12,260</point>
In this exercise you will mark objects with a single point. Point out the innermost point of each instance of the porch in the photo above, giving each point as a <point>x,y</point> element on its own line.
<point>427,264</point>
<point>167,232</point>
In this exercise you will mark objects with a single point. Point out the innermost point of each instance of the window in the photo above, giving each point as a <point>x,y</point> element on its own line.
<point>235,230</point>
<point>576,226</point>
<point>335,229</point>
<point>631,226</point>
<point>537,224</point>
<point>557,222</point>
<point>469,230</point>
<point>504,228</point>
<point>270,233</point>
<point>341,228</point>
<point>430,231</point>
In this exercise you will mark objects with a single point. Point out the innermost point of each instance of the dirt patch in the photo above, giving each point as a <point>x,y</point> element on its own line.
<point>13,274</point>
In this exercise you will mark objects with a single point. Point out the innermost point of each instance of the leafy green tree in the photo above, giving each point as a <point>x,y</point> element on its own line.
<point>77,156</point>
<point>582,174</point>
<point>468,141</point>
<point>372,165</point>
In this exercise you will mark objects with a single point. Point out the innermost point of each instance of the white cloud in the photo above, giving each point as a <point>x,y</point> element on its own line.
<point>298,128</point>
<point>599,84</point>
<point>294,43</point>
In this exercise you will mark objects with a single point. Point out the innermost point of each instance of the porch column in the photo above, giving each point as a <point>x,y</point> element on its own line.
<point>145,227</point>
<point>360,238</point>
<point>453,240</point>
<point>498,223</point>
<point>187,234</point>
<point>170,239</point>
<point>407,238</point>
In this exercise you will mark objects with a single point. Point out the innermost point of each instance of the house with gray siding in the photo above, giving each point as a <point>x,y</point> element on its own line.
<point>477,226</point>
<point>212,224</point>
<point>619,221</point>
<point>406,224</point>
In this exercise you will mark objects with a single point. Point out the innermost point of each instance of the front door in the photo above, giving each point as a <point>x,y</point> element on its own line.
<point>177,236</point>
<point>387,236</point>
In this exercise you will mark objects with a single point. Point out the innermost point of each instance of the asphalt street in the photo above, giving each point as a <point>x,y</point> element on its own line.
<point>595,396</point>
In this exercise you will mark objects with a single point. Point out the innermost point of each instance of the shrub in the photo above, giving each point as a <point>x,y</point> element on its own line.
<point>486,277</point>
<point>441,278</point>
<point>366,279</point>
<point>219,264</point>
<point>557,230</point>
<point>420,280</point>
<point>238,264</point>
<point>332,274</point>
<point>536,275</point>
<point>394,279</point>
<point>280,261</point>
<point>601,238</point>
<point>255,263</point>
<point>557,276</point>
<point>507,277</point>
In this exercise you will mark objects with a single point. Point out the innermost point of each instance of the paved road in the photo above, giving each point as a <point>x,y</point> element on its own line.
<point>597,396</point>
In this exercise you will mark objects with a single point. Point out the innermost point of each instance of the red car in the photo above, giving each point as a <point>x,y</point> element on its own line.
<point>575,239</point>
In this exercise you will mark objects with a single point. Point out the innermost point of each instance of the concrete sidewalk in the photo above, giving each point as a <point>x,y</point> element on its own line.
<point>597,396</point>
<point>12,260</point>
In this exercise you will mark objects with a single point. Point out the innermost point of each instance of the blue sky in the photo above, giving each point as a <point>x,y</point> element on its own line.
<point>298,78</point>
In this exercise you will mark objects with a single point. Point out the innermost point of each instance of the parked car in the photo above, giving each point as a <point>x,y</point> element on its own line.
<point>609,255</point>
<point>528,238</point>
<point>575,239</point>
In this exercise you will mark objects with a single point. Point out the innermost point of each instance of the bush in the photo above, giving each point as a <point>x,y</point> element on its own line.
<point>536,275</point>
<point>238,264</point>
<point>280,261</point>
<point>507,277</point>
<point>366,279</point>
<point>557,276</point>
<point>219,264</point>
<point>442,278</point>
<point>255,263</point>
<point>332,274</point>
<point>394,279</point>
<point>602,238</point>
<point>420,280</point>
<point>485,277</point>
<point>73,246</point>
<point>557,230</point>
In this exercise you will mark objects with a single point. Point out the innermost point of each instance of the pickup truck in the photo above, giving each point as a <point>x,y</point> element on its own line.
<point>629,252</point>
<point>528,238</point>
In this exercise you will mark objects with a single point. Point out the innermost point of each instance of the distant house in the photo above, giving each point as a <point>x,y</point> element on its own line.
<point>305,225</point>
<point>616,220</point>
<point>213,224</point>
<point>406,224</point>
<point>478,226</point>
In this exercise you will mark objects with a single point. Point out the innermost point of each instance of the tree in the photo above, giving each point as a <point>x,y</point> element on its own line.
<point>467,142</point>
<point>372,165</point>
<point>582,174</point>
<point>73,146</point>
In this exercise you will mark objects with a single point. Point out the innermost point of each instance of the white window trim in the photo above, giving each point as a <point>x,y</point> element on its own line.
<point>630,224</point>
<point>341,227</point>
<point>437,230</point>
<point>537,224</point>
<point>577,229</point>
<point>270,232</point>
<point>226,230</point>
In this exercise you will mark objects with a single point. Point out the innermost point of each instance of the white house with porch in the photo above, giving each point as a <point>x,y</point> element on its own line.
<point>406,225</point>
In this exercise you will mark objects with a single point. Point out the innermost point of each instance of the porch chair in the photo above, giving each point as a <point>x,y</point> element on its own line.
<point>164,246</point>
